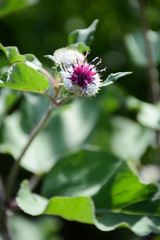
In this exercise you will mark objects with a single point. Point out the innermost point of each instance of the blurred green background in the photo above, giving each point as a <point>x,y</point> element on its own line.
<point>41,27</point>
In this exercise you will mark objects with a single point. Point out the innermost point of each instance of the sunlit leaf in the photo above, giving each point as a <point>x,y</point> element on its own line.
<point>126,136</point>
<point>75,209</point>
<point>22,227</point>
<point>149,115</point>
<point>136,47</point>
<point>23,77</point>
<point>114,77</point>
<point>77,123</point>
<point>12,54</point>
<point>84,36</point>
<point>32,204</point>
<point>32,61</point>
<point>103,177</point>
<point>91,188</point>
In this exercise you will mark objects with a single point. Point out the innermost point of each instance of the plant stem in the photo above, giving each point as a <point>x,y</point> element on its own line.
<point>4,232</point>
<point>50,77</point>
<point>52,99</point>
<point>153,76</point>
<point>152,69</point>
<point>33,134</point>
<point>4,225</point>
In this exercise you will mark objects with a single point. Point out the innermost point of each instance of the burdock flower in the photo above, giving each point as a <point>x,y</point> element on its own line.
<point>82,78</point>
<point>66,56</point>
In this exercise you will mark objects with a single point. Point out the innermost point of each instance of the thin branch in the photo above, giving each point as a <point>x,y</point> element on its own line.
<point>152,68</point>
<point>48,75</point>
<point>52,99</point>
<point>34,180</point>
<point>33,134</point>
<point>4,230</point>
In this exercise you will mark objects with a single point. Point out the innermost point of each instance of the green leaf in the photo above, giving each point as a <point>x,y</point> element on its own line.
<point>12,54</point>
<point>136,47</point>
<point>81,47</point>
<point>51,57</point>
<point>51,142</point>
<point>32,61</point>
<point>149,115</point>
<point>32,204</point>
<point>23,77</point>
<point>42,228</point>
<point>102,176</point>
<point>84,36</point>
<point>114,77</point>
<point>126,136</point>
<point>73,209</point>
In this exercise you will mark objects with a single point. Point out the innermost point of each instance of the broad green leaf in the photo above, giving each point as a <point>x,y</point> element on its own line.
<point>84,36</point>
<point>21,122</point>
<point>8,99</point>
<point>92,173</point>
<point>32,61</point>
<point>9,6</point>
<point>136,47</point>
<point>140,224</point>
<point>102,176</point>
<point>43,228</point>
<point>12,54</point>
<point>122,136</point>
<point>147,114</point>
<point>126,136</point>
<point>23,77</point>
<point>114,77</point>
<point>73,209</point>
<point>51,141</point>
<point>32,204</point>
<point>51,57</point>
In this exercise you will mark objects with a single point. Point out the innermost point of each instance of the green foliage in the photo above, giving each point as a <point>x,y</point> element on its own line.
<point>23,77</point>
<point>147,114</point>
<point>42,229</point>
<point>114,77</point>
<point>83,36</point>
<point>12,54</point>
<point>102,177</point>
<point>55,141</point>
<point>90,154</point>
<point>77,208</point>
<point>136,48</point>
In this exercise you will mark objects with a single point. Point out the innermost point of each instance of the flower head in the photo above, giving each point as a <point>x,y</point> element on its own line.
<point>82,78</point>
<point>66,56</point>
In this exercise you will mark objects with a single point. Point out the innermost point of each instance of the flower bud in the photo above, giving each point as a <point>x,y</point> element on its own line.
<point>67,56</point>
